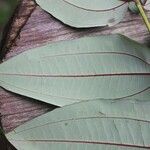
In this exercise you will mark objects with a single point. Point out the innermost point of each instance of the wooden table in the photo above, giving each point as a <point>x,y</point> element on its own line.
<point>32,27</point>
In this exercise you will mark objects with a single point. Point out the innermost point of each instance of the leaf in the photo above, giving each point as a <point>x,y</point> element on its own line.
<point>147,5</point>
<point>107,67</point>
<point>78,13</point>
<point>133,7</point>
<point>91,125</point>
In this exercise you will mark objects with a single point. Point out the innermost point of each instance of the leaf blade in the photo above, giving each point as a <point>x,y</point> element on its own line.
<point>89,14</point>
<point>63,72</point>
<point>82,125</point>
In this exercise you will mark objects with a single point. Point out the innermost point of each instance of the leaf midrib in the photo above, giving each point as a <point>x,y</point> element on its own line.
<point>76,76</point>
<point>95,10</point>
<point>84,118</point>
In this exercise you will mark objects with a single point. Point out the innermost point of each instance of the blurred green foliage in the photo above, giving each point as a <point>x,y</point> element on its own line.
<point>6,9</point>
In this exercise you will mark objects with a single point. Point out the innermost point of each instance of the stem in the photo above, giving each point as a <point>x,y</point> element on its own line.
<point>142,12</point>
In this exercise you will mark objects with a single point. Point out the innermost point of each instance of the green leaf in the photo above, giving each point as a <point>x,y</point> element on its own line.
<point>78,13</point>
<point>107,67</point>
<point>91,125</point>
<point>7,8</point>
<point>133,8</point>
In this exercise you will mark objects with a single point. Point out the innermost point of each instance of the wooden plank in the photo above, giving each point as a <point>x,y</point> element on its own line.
<point>40,29</point>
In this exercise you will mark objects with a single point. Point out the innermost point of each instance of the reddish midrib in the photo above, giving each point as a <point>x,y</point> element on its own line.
<point>76,76</point>
<point>103,10</point>
<point>82,118</point>
<point>99,53</point>
<point>85,142</point>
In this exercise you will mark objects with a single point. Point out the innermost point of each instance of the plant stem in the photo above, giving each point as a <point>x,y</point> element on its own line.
<point>142,12</point>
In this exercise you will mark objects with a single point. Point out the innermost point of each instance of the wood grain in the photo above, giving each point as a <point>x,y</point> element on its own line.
<point>41,28</point>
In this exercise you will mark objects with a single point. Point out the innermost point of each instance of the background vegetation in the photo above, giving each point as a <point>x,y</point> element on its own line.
<point>6,9</point>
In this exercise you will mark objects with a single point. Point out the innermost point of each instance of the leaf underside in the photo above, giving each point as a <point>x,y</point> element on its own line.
<point>107,67</point>
<point>90,14</point>
<point>91,125</point>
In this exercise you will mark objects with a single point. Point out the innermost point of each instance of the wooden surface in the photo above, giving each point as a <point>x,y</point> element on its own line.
<point>41,28</point>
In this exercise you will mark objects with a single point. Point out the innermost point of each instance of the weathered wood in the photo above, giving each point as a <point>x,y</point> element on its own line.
<point>40,29</point>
